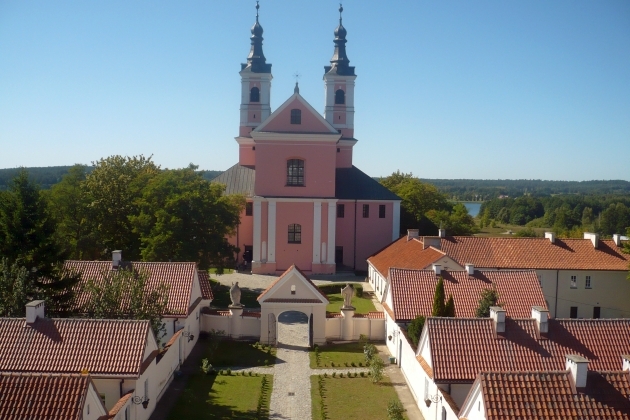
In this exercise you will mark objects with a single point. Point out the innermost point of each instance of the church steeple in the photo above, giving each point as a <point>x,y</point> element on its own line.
<point>340,64</point>
<point>256,59</point>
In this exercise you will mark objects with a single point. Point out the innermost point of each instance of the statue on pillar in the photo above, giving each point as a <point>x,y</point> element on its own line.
<point>347,293</point>
<point>235,295</point>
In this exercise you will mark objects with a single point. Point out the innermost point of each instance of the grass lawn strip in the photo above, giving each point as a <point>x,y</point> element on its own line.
<point>340,355</point>
<point>230,353</point>
<point>352,398</point>
<point>363,305</point>
<point>215,397</point>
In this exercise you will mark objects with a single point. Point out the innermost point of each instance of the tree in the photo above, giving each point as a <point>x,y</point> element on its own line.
<point>113,190</point>
<point>456,222</point>
<point>489,297</point>
<point>527,232</point>
<point>376,368</point>
<point>15,289</point>
<point>438,299</point>
<point>414,330</point>
<point>615,219</point>
<point>184,217</point>
<point>449,308</point>
<point>125,294</point>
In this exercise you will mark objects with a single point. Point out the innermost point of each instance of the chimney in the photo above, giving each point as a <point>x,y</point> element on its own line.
<point>470,269</point>
<point>116,259</point>
<point>594,237</point>
<point>438,269</point>
<point>551,236</point>
<point>497,314</point>
<point>541,315</point>
<point>433,241</point>
<point>617,239</point>
<point>34,310</point>
<point>626,362</point>
<point>412,233</point>
<point>578,368</point>
<point>442,233</point>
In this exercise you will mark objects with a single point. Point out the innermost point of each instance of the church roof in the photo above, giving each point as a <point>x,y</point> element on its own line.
<point>354,184</point>
<point>238,180</point>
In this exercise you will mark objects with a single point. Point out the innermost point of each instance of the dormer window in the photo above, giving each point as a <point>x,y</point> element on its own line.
<point>296,116</point>
<point>295,172</point>
<point>254,95</point>
<point>340,97</point>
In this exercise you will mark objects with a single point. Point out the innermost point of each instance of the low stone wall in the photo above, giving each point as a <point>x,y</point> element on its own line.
<point>233,322</point>
<point>349,326</point>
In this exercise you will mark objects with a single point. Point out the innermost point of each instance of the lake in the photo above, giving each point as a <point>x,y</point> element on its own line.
<point>473,207</point>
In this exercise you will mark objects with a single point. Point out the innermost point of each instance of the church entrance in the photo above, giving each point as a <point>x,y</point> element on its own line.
<point>294,330</point>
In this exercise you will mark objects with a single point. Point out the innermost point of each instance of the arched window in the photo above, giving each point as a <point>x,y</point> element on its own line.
<point>295,172</point>
<point>340,97</point>
<point>295,234</point>
<point>254,95</point>
<point>296,116</point>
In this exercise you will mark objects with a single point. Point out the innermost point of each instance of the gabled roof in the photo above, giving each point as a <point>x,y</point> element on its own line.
<point>312,121</point>
<point>293,271</point>
<point>535,253</point>
<point>551,395</point>
<point>461,348</point>
<point>102,347</point>
<point>205,285</point>
<point>405,253</point>
<point>412,291</point>
<point>238,180</point>
<point>44,396</point>
<point>353,184</point>
<point>177,276</point>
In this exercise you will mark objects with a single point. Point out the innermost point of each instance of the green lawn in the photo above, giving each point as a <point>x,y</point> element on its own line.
<point>215,397</point>
<point>225,271</point>
<point>333,292</point>
<point>222,296</point>
<point>227,353</point>
<point>352,398</point>
<point>339,354</point>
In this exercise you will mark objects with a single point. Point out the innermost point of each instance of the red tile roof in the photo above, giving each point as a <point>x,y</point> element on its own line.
<point>102,347</point>
<point>412,291</point>
<point>463,347</point>
<point>206,286</point>
<point>515,253</point>
<point>273,283</point>
<point>535,253</point>
<point>550,395</point>
<point>120,404</point>
<point>177,276</point>
<point>43,396</point>
<point>406,254</point>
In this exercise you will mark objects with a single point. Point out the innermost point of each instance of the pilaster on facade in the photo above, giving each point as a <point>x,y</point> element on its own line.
<point>271,231</point>
<point>256,251</point>
<point>317,231</point>
<point>396,221</point>
<point>332,229</point>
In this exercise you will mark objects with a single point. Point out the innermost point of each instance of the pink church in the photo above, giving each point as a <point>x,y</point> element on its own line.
<point>306,203</point>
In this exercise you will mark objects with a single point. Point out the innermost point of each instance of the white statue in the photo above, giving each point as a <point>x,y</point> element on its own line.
<point>347,293</point>
<point>235,295</point>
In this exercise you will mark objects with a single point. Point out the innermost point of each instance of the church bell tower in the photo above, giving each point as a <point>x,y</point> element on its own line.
<point>255,84</point>
<point>339,83</point>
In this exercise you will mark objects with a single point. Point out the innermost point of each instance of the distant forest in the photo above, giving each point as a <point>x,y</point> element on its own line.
<point>48,176</point>
<point>455,189</point>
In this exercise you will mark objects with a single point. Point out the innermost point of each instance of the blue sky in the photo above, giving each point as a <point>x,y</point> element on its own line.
<point>448,89</point>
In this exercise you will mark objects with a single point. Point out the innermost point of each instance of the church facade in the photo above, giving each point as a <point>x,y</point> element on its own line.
<point>307,205</point>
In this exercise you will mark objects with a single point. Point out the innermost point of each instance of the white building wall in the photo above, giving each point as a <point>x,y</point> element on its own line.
<point>215,322</point>
<point>92,407</point>
<point>110,388</point>
<point>459,392</point>
<point>333,329</point>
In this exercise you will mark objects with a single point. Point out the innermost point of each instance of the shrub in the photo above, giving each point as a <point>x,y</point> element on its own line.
<point>395,410</point>
<point>358,289</point>
<point>334,374</point>
<point>360,364</point>
<point>228,372</point>
<point>353,364</point>
<point>369,350</point>
<point>415,329</point>
<point>250,373</point>
<point>332,364</point>
<point>325,375</point>
<point>341,375</point>
<point>206,367</point>
<point>349,374</point>
<point>376,369</point>
<point>346,363</point>
<point>266,362</point>
<point>363,374</point>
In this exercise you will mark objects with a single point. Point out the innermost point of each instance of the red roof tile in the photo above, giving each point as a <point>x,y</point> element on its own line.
<point>463,347</point>
<point>406,254</point>
<point>43,396</point>
<point>206,286</point>
<point>120,404</point>
<point>412,291</point>
<point>550,395</point>
<point>535,253</point>
<point>102,347</point>
<point>178,277</point>
<point>273,283</point>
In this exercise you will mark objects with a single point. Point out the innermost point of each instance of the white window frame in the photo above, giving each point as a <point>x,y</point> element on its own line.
<point>573,282</point>
<point>588,284</point>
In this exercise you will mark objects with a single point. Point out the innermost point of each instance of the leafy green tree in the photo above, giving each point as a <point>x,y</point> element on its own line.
<point>488,298</point>
<point>124,294</point>
<point>587,217</point>
<point>438,299</point>
<point>15,289</point>
<point>449,308</point>
<point>615,219</point>
<point>414,330</point>
<point>113,190</point>
<point>457,222</point>
<point>184,217</point>
<point>526,233</point>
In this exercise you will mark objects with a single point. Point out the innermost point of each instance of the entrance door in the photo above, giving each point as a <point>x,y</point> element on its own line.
<point>339,255</point>
<point>271,330</point>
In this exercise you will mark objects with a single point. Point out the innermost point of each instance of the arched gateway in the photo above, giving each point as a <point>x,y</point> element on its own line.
<point>292,291</point>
